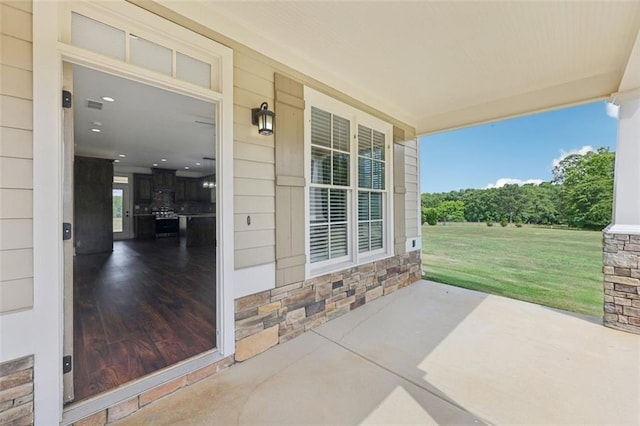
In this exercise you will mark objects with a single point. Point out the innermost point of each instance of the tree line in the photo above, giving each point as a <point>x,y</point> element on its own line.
<point>580,195</point>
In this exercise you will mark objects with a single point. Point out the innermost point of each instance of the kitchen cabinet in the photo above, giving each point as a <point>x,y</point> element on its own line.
<point>164,179</point>
<point>200,230</point>
<point>144,227</point>
<point>193,189</point>
<point>181,190</point>
<point>142,188</point>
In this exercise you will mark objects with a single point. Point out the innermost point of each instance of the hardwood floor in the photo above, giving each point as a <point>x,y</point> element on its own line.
<point>147,305</point>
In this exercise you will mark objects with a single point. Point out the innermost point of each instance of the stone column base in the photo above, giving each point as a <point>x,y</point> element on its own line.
<point>622,281</point>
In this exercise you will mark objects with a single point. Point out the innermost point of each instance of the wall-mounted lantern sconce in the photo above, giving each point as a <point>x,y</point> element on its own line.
<point>263,118</point>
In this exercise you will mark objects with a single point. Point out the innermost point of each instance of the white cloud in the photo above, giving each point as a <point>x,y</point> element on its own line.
<point>511,181</point>
<point>564,154</point>
<point>612,109</point>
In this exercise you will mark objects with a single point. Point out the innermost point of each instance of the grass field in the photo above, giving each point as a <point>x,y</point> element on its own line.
<point>553,267</point>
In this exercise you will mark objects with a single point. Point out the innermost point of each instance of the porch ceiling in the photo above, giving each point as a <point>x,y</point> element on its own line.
<point>442,65</point>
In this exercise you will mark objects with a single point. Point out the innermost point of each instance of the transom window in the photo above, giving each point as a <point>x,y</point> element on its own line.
<point>348,202</point>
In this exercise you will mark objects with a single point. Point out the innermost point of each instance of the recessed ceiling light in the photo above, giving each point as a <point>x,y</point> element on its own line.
<point>186,167</point>
<point>133,36</point>
<point>116,161</point>
<point>155,164</point>
<point>121,155</point>
<point>197,164</point>
<point>108,99</point>
<point>96,130</point>
<point>164,159</point>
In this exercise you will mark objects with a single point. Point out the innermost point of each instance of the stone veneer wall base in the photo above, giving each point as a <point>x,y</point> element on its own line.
<point>621,258</point>
<point>275,316</point>
<point>16,392</point>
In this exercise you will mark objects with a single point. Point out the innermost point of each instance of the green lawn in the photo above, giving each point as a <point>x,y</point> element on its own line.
<point>553,267</point>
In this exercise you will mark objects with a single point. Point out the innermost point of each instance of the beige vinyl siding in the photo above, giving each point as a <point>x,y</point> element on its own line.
<point>412,194</point>
<point>254,173</point>
<point>16,157</point>
<point>399,192</point>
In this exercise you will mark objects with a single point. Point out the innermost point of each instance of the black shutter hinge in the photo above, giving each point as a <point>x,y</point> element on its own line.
<point>66,99</point>
<point>66,231</point>
<point>66,364</point>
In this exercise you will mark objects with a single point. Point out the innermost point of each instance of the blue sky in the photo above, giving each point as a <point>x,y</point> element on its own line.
<point>521,148</point>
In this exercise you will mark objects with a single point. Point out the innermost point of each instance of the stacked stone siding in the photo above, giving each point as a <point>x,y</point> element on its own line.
<point>275,316</point>
<point>16,392</point>
<point>622,281</point>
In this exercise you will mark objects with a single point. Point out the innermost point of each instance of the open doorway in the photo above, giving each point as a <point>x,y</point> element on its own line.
<point>144,264</point>
<point>122,207</point>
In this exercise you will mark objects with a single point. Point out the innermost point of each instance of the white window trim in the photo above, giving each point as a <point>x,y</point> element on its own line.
<point>316,99</point>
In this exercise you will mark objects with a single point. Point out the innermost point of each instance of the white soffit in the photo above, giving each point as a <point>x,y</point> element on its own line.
<point>441,65</point>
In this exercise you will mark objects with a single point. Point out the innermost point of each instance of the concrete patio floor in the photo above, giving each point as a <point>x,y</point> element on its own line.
<point>429,353</point>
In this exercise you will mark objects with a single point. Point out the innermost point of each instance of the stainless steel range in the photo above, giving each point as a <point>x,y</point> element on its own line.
<point>166,223</point>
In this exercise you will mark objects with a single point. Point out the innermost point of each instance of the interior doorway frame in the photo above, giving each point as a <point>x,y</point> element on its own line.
<point>127,215</point>
<point>52,48</point>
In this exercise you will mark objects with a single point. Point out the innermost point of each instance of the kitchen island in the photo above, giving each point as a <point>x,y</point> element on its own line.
<point>198,230</point>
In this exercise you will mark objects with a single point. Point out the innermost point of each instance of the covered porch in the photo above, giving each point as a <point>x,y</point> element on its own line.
<point>428,353</point>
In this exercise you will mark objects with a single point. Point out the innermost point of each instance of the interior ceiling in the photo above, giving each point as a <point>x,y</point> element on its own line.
<point>144,123</point>
<point>441,65</point>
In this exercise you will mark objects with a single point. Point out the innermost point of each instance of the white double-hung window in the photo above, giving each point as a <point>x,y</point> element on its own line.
<point>348,178</point>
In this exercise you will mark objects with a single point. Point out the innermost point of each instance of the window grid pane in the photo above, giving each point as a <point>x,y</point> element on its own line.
<point>193,70</point>
<point>341,133</point>
<point>376,235</point>
<point>340,168</point>
<point>339,240</point>
<point>370,221</point>
<point>150,55</point>
<point>97,36</point>
<point>371,155</point>
<point>338,205</point>
<point>377,175</point>
<point>376,206</point>
<point>364,141</point>
<point>364,173</point>
<point>319,249</point>
<point>363,237</point>
<point>320,166</point>
<point>320,127</point>
<point>378,145</point>
<point>319,208</point>
<point>363,205</point>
